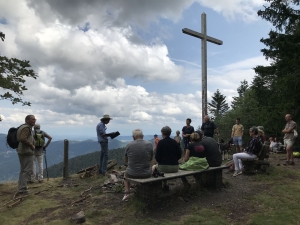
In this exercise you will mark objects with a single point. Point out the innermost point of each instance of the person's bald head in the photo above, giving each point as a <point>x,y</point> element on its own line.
<point>206,118</point>
<point>288,117</point>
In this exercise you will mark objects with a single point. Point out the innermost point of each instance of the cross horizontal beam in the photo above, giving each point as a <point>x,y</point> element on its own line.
<point>202,36</point>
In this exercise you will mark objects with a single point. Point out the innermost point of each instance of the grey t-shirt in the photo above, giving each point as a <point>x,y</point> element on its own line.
<point>140,154</point>
<point>39,150</point>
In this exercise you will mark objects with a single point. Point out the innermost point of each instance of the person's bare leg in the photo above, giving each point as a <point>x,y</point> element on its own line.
<point>289,153</point>
<point>126,184</point>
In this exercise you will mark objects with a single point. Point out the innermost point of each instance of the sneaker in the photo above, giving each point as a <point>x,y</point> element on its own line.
<point>126,197</point>
<point>237,172</point>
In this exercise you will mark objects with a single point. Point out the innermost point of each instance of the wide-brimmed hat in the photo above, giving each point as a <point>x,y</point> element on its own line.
<point>37,127</point>
<point>106,117</point>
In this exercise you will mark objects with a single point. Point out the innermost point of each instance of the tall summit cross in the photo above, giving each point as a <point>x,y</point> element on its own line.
<point>203,36</point>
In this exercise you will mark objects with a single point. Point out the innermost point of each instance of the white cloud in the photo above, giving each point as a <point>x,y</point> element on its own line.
<point>82,74</point>
<point>234,9</point>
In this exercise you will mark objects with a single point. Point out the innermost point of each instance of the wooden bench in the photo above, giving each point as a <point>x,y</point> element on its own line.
<point>260,163</point>
<point>150,189</point>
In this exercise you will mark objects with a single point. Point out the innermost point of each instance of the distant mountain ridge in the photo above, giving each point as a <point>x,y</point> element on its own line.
<point>83,161</point>
<point>9,162</point>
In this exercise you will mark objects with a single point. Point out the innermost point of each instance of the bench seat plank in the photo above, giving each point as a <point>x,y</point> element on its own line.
<point>169,176</point>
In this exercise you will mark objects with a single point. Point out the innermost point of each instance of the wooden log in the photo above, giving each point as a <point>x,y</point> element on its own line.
<point>15,203</point>
<point>85,191</point>
<point>111,164</point>
<point>88,169</point>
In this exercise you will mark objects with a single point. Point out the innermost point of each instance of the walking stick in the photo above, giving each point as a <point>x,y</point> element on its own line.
<point>46,165</point>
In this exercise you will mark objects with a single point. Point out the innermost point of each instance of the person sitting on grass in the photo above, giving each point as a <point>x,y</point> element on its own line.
<point>167,154</point>
<point>250,152</point>
<point>138,156</point>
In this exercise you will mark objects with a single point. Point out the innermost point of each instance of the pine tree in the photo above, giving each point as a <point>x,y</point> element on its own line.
<point>276,87</point>
<point>218,105</point>
<point>241,91</point>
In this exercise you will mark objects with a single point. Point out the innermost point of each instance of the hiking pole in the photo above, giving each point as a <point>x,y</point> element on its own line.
<point>46,165</point>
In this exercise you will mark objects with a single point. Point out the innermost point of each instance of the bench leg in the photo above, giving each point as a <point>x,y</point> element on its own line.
<point>149,192</point>
<point>248,167</point>
<point>210,179</point>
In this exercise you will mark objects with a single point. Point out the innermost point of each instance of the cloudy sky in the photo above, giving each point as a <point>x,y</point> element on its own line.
<point>126,58</point>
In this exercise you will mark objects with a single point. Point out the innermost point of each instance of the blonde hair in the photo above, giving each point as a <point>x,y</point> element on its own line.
<point>195,137</point>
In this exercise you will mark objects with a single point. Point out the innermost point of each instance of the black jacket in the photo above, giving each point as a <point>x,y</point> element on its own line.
<point>168,152</point>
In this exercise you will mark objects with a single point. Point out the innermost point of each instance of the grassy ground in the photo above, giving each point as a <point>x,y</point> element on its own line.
<point>271,198</point>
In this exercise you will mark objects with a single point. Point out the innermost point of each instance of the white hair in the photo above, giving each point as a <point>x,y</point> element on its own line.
<point>137,133</point>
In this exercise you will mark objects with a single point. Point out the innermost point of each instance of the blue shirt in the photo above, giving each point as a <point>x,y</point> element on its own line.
<point>101,129</point>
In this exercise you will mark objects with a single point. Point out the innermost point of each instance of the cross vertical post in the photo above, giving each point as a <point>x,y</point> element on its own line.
<point>204,66</point>
<point>203,36</point>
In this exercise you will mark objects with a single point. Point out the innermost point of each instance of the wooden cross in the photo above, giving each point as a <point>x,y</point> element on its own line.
<point>203,36</point>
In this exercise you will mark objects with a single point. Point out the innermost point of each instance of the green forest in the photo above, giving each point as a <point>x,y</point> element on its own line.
<point>274,90</point>
<point>84,161</point>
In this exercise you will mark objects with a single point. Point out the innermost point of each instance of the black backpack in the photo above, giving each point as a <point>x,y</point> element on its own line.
<point>11,138</point>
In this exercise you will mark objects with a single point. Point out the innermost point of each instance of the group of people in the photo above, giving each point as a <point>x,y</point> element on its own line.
<point>30,151</point>
<point>258,138</point>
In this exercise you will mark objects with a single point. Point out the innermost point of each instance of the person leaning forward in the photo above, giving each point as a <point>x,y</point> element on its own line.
<point>103,141</point>
<point>138,156</point>
<point>25,152</point>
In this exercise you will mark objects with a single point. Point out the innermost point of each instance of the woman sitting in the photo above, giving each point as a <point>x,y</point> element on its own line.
<point>194,149</point>
<point>167,154</point>
<point>250,152</point>
<point>273,144</point>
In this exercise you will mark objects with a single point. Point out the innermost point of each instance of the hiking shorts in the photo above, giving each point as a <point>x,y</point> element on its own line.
<point>288,142</point>
<point>237,141</point>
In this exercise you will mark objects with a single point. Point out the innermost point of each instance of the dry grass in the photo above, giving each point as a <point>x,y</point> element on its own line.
<point>267,199</point>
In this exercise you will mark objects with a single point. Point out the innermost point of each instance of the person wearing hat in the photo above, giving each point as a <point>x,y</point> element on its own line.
<point>103,141</point>
<point>40,147</point>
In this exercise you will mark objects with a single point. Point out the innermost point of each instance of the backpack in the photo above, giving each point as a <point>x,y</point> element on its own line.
<point>11,138</point>
<point>39,139</point>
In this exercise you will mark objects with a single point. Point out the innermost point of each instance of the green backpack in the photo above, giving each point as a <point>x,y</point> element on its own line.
<point>195,163</point>
<point>39,139</point>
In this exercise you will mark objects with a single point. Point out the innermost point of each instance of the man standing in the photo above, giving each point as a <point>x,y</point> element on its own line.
<point>40,147</point>
<point>237,135</point>
<point>103,141</point>
<point>209,127</point>
<point>138,156</point>
<point>186,132</point>
<point>289,138</point>
<point>25,152</point>
<point>156,140</point>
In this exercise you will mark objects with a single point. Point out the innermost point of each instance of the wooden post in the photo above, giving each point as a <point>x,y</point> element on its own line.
<point>66,159</point>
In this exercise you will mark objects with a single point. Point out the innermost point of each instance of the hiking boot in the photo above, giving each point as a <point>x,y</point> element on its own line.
<point>292,163</point>
<point>30,181</point>
<point>41,181</point>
